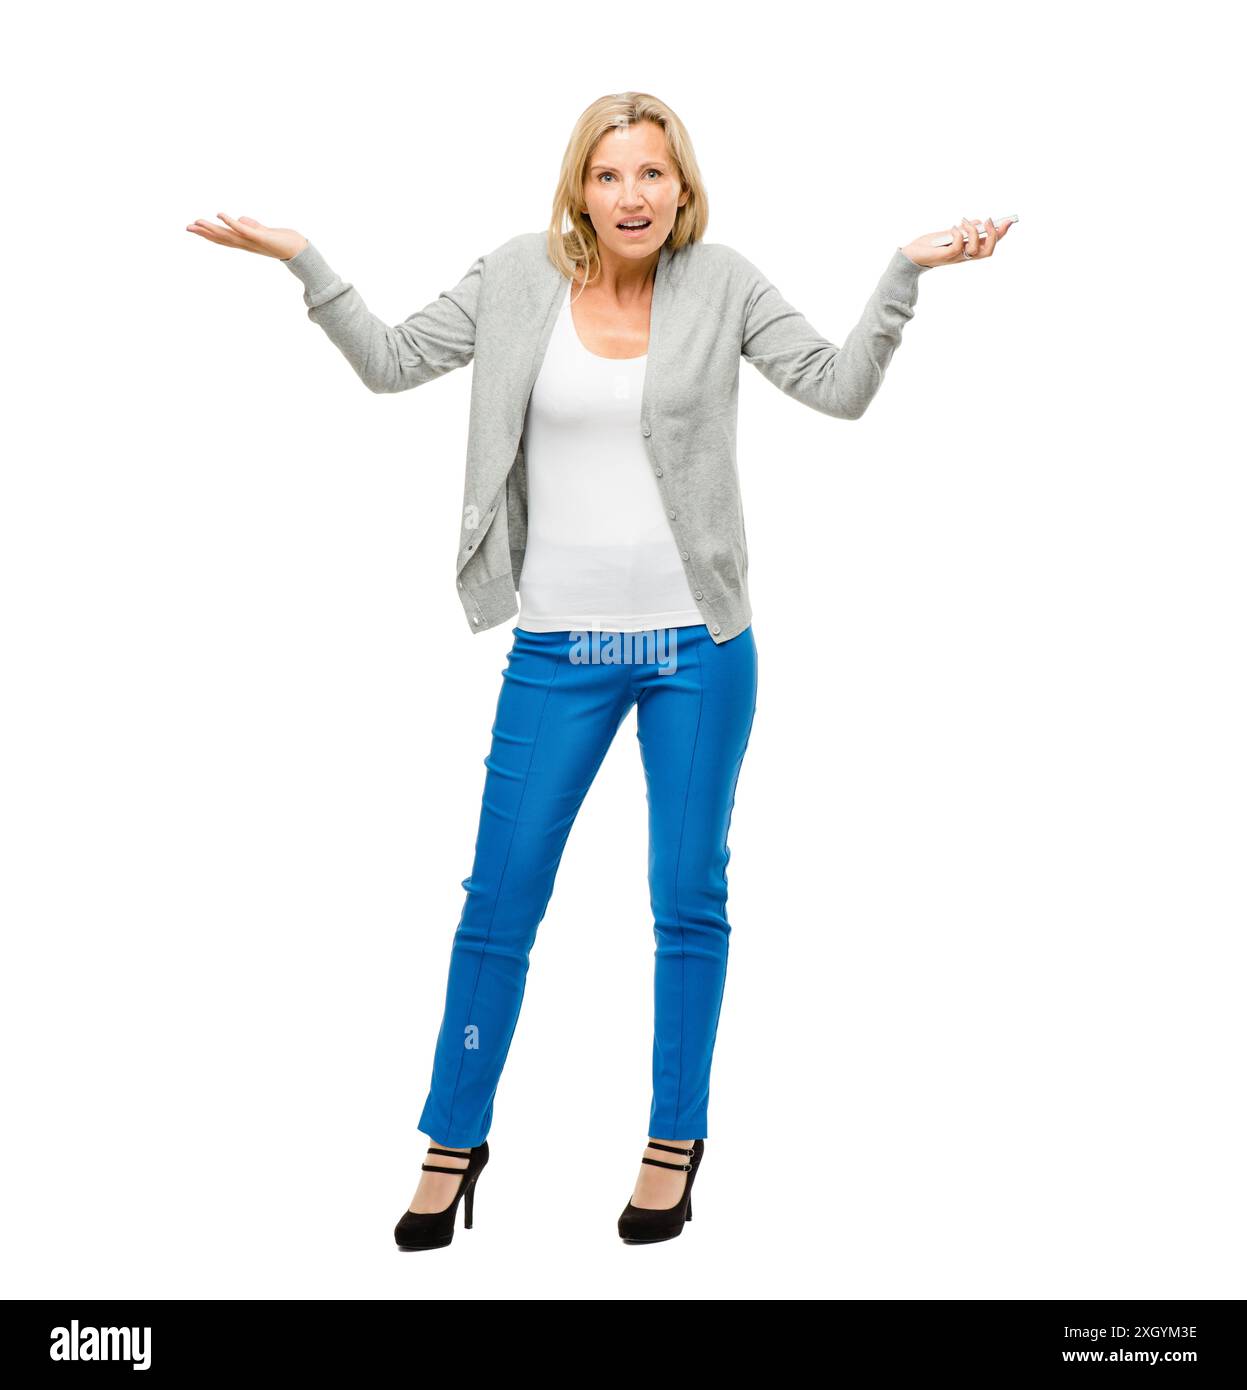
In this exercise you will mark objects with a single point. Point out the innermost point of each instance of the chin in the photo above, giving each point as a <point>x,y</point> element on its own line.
<point>634,248</point>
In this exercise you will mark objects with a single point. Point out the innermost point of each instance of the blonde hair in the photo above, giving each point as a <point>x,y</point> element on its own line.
<point>575,246</point>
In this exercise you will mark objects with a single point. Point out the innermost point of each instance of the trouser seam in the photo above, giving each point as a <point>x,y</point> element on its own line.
<point>679,915</point>
<point>480,965</point>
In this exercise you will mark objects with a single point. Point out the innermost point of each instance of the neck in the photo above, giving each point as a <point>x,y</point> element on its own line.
<point>622,277</point>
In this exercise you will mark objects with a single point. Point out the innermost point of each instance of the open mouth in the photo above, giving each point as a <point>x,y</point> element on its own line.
<point>634,224</point>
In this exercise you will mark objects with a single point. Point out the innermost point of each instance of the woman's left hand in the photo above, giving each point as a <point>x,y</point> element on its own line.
<point>967,244</point>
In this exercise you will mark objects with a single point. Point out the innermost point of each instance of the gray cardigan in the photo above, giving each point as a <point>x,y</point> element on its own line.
<point>710,308</point>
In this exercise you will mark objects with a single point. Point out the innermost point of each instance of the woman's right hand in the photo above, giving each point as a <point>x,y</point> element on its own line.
<point>246,234</point>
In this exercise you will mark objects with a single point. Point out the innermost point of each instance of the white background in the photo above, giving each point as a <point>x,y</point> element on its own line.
<point>983,1033</point>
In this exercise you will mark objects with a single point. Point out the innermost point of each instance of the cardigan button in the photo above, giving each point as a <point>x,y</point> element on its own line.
<point>658,471</point>
<point>683,554</point>
<point>697,593</point>
<point>670,513</point>
<point>716,629</point>
<point>645,430</point>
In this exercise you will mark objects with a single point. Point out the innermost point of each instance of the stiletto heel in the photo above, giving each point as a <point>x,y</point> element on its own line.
<point>430,1230</point>
<point>645,1225</point>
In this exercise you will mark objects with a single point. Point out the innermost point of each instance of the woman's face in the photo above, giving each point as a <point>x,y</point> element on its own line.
<point>632,177</point>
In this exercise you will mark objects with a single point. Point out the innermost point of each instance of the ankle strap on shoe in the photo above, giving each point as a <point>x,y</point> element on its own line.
<point>439,1168</point>
<point>670,1149</point>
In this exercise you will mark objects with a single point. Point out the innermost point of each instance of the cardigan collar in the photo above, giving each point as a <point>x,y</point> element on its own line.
<point>541,323</point>
<point>664,255</point>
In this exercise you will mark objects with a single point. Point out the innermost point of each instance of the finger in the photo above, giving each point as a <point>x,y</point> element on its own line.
<point>207,230</point>
<point>972,236</point>
<point>223,232</point>
<point>990,238</point>
<point>221,235</point>
<point>243,231</point>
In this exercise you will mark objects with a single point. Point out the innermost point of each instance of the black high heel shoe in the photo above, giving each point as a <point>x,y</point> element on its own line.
<point>645,1225</point>
<point>430,1230</point>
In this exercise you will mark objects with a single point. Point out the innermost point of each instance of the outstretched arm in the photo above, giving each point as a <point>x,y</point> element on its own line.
<point>432,342</point>
<point>841,381</point>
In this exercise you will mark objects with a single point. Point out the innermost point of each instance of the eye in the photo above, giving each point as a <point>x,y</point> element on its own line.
<point>606,174</point>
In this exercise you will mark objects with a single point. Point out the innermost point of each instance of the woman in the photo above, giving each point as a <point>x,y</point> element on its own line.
<point>602,505</point>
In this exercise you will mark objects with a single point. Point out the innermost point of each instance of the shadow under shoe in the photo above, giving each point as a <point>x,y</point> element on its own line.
<point>645,1225</point>
<point>430,1230</point>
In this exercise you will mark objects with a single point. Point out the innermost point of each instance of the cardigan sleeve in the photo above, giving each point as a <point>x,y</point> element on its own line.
<point>793,355</point>
<point>431,342</point>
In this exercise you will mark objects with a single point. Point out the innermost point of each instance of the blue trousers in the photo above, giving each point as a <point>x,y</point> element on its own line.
<point>564,696</point>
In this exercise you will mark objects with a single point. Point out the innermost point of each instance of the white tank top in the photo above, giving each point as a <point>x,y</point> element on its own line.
<point>600,554</point>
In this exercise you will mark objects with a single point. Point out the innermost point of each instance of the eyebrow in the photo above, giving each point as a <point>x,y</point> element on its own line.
<point>610,168</point>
